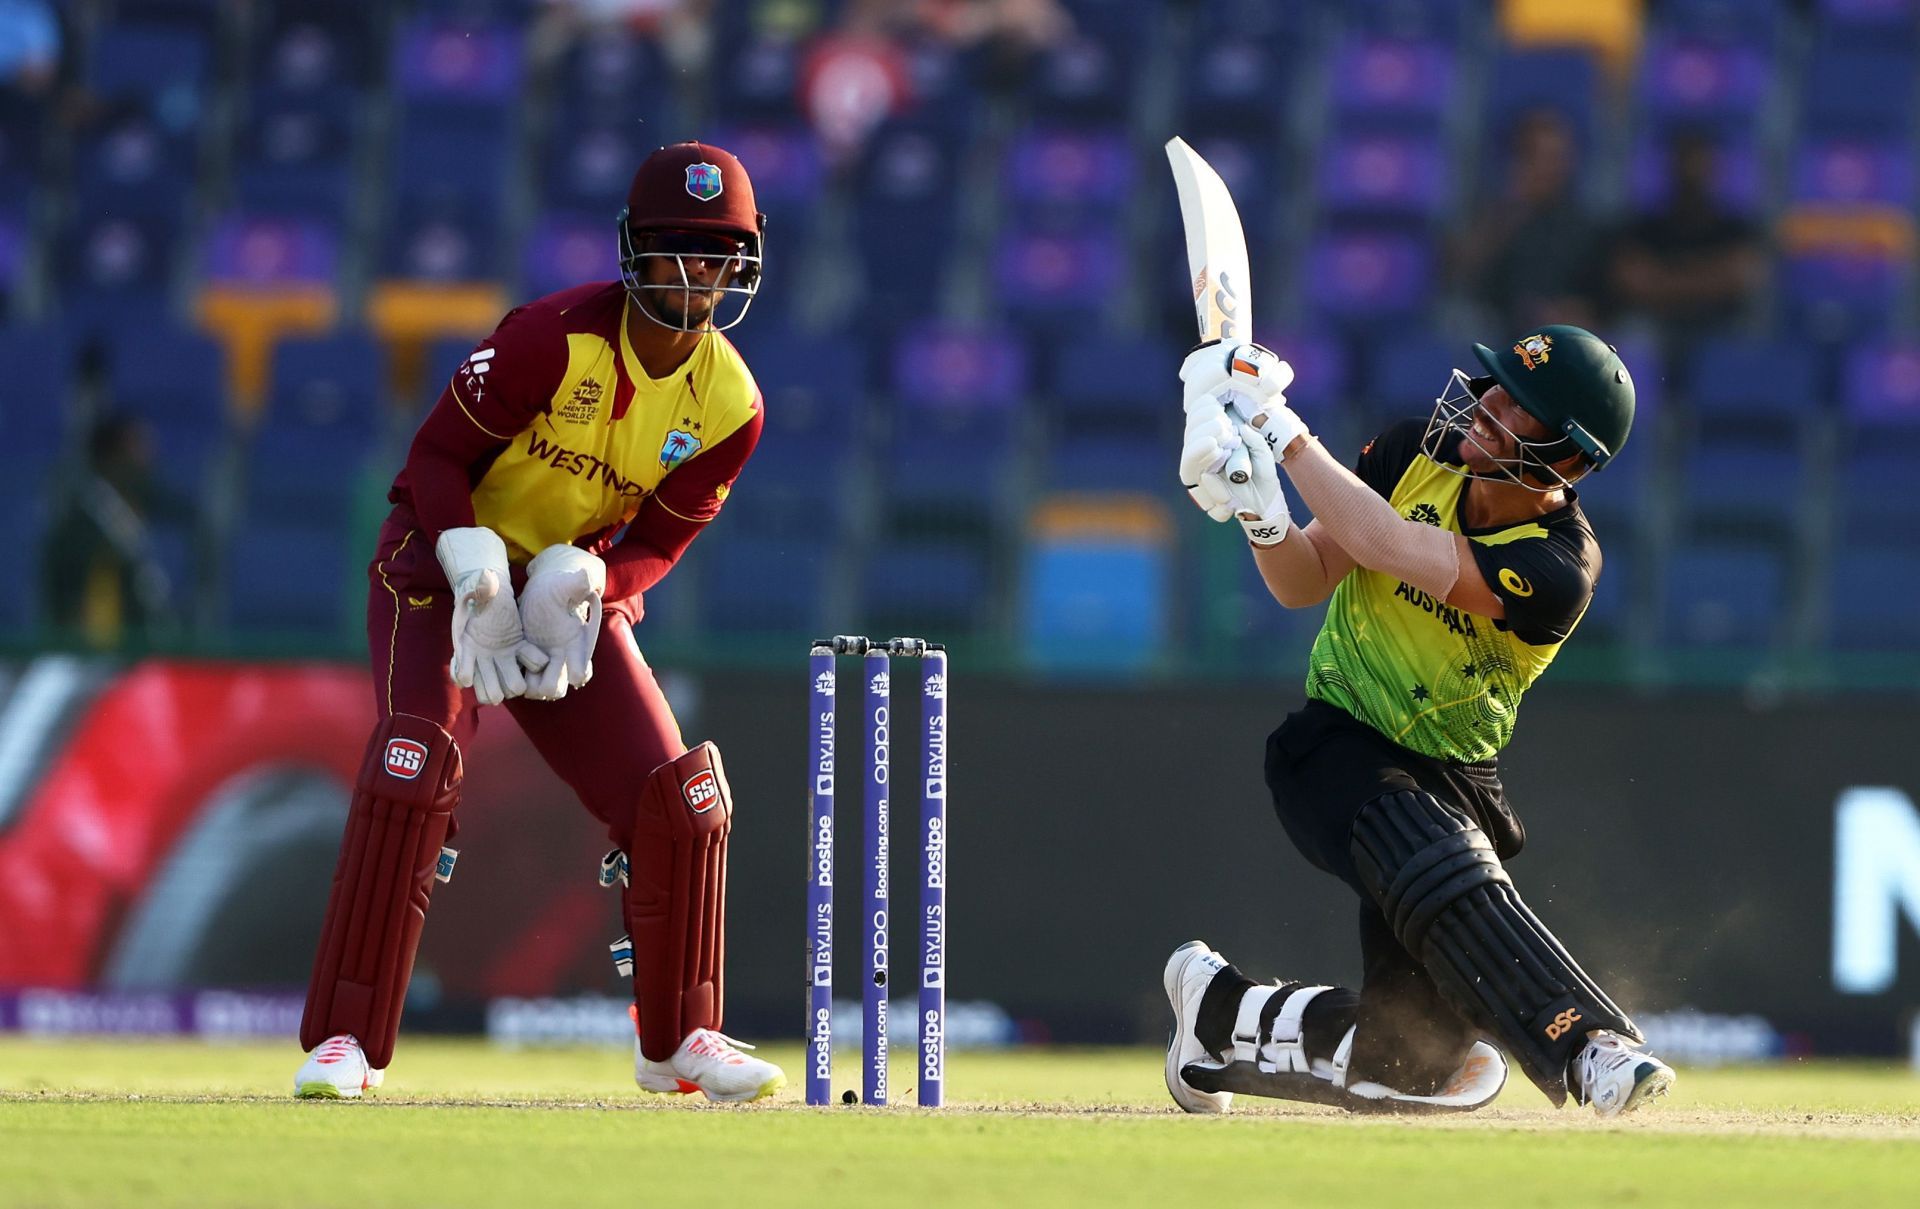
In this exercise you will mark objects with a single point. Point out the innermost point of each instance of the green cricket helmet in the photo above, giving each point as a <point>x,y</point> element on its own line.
<point>1563,376</point>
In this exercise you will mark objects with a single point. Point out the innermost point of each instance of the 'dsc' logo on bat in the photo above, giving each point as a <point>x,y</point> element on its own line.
<point>405,758</point>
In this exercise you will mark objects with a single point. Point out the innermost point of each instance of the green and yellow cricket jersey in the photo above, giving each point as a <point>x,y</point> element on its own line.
<point>1431,677</point>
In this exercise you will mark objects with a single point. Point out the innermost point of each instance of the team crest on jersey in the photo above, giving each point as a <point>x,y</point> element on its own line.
<point>678,448</point>
<point>1533,351</point>
<point>703,181</point>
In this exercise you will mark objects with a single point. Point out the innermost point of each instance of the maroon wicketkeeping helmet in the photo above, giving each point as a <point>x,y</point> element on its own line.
<point>692,201</point>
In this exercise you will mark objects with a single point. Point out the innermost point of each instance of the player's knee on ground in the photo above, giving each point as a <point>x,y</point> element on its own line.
<point>1449,900</point>
<point>676,899</point>
<point>390,855</point>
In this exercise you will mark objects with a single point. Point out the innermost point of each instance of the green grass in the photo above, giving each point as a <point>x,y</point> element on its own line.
<point>156,1124</point>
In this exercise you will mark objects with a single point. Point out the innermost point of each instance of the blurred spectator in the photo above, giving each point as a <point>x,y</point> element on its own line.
<point>1695,266</point>
<point>29,44</point>
<point>854,77</point>
<point>1007,34</point>
<point>1531,256</point>
<point>100,576</point>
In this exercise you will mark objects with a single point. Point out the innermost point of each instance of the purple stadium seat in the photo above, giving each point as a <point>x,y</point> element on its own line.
<point>295,152</point>
<point>1233,84</point>
<point>444,242</point>
<point>1383,175</point>
<point>784,159</point>
<point>762,80</point>
<point>1880,23</point>
<point>1735,379</point>
<point>1360,275</point>
<point>938,366</point>
<point>254,250</point>
<point>146,60</point>
<point>1697,83</point>
<point>453,153</point>
<point>1565,81</point>
<point>452,62</point>
<point>1744,489</point>
<point>1070,170</point>
<point>590,167</point>
<point>1871,587</point>
<point>1880,386</point>
<point>1864,91</point>
<point>1059,273</point>
<point>1724,595</point>
<point>565,249</point>
<point>1853,170</point>
<point>1758,23</point>
<point>1089,74</point>
<point>1880,463</point>
<point>1386,80</point>
<point>1738,187</point>
<point>905,214</point>
<point>117,250</point>
<point>137,159</point>
<point>1838,295</point>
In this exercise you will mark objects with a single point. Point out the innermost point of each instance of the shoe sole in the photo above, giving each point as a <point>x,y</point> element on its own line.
<point>759,1093</point>
<point>1170,979</point>
<point>1651,1086</point>
<point>322,1091</point>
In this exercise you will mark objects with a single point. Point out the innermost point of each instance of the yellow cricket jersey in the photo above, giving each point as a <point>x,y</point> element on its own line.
<point>1431,677</point>
<point>589,436</point>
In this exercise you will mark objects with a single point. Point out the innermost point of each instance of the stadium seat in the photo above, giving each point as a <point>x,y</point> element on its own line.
<point>458,63</point>
<point>1880,388</point>
<point>1383,175</point>
<point>272,567</point>
<point>1858,91</point>
<point>1378,82</point>
<point>926,586</point>
<point>151,61</point>
<point>1740,185</point>
<point>564,249</point>
<point>1702,85</point>
<point>1871,590</point>
<point>1564,81</point>
<point>1736,382</point>
<point>943,365</point>
<point>1363,276</point>
<point>763,585</point>
<point>1065,173</point>
<point>1063,280</point>
<point>1743,491</point>
<point>1852,171</point>
<point>252,250</point>
<point>1724,596</point>
<point>1089,75</point>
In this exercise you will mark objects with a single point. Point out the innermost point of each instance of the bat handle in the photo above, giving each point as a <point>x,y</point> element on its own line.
<point>1239,466</point>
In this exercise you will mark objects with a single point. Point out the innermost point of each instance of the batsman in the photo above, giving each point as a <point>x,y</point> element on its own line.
<point>1454,560</point>
<point>564,470</point>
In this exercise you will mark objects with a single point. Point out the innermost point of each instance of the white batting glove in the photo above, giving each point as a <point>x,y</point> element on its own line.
<point>1210,443</point>
<point>1246,377</point>
<point>1276,429</point>
<point>489,646</point>
<point>560,608</point>
<point>1259,504</point>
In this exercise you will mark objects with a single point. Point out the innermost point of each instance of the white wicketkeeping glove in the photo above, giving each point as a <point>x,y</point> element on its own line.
<point>560,607</point>
<point>1259,504</point>
<point>489,648</point>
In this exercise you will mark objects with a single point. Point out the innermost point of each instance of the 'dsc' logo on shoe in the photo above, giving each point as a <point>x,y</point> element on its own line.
<point>702,790</point>
<point>405,758</point>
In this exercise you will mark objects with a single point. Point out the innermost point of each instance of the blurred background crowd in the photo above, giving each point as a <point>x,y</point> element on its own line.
<point>244,242</point>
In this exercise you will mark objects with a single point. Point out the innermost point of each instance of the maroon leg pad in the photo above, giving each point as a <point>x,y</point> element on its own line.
<point>402,807</point>
<point>676,899</point>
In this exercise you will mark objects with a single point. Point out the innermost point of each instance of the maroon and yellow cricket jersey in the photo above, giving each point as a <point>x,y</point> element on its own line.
<point>552,432</point>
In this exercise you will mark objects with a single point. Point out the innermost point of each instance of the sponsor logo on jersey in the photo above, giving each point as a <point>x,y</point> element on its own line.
<point>703,181</point>
<point>1514,583</point>
<point>1425,513</point>
<point>701,790</point>
<point>721,493</point>
<point>473,374</point>
<point>420,602</point>
<point>1534,350</point>
<point>405,758</point>
<point>581,465</point>
<point>678,447</point>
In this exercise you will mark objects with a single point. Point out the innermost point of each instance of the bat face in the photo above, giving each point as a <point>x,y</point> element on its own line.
<point>1216,247</point>
<point>1217,258</point>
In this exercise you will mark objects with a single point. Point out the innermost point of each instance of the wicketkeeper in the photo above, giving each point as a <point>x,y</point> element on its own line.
<point>566,467</point>
<point>1456,560</point>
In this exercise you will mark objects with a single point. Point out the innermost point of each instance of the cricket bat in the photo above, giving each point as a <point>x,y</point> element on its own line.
<point>1216,258</point>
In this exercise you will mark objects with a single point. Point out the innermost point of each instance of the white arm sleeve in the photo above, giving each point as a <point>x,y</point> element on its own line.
<point>1367,527</point>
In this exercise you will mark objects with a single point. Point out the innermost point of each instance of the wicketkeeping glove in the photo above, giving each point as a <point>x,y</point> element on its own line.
<point>560,607</point>
<point>489,647</point>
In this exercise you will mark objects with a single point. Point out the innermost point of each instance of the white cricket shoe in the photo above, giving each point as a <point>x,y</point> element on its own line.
<point>1188,972</point>
<point>711,1063</point>
<point>1614,1077</point>
<point>336,1070</point>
